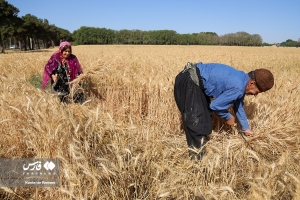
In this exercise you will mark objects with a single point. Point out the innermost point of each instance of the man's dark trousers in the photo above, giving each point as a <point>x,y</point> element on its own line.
<point>194,107</point>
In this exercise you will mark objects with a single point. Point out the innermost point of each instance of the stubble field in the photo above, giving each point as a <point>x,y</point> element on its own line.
<point>126,140</point>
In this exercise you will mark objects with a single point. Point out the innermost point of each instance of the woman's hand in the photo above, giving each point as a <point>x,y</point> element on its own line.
<point>82,76</point>
<point>54,77</point>
<point>78,79</point>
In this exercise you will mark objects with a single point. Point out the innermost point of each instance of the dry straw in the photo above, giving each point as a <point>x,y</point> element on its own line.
<point>126,141</point>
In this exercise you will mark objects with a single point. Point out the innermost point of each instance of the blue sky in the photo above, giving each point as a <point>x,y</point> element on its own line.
<point>274,20</point>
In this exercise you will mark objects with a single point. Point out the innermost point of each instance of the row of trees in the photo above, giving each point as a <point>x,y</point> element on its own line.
<point>290,43</point>
<point>30,32</point>
<point>91,35</point>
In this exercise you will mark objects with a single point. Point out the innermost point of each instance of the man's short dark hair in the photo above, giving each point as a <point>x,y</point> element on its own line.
<point>252,75</point>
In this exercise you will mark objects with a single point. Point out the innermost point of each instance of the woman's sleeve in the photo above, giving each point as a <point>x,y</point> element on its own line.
<point>78,66</point>
<point>49,67</point>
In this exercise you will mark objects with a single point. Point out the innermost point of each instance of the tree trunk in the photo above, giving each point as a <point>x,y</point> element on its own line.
<point>25,45</point>
<point>37,44</point>
<point>2,45</point>
<point>30,42</point>
<point>20,45</point>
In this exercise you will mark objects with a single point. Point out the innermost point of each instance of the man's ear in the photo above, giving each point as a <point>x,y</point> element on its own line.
<point>251,82</point>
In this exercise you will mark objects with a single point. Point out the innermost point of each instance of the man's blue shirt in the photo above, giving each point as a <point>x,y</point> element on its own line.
<point>227,86</point>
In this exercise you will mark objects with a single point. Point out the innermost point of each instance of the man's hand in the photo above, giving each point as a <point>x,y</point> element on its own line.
<point>248,132</point>
<point>231,122</point>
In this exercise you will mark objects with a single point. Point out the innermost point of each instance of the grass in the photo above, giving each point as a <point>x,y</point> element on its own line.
<point>36,80</point>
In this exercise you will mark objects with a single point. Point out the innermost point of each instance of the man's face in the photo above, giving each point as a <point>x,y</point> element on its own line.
<point>66,53</point>
<point>251,88</point>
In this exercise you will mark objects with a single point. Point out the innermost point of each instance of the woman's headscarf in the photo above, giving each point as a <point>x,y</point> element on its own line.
<point>55,61</point>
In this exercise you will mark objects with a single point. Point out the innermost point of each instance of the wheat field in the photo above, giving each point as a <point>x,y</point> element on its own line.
<point>126,141</point>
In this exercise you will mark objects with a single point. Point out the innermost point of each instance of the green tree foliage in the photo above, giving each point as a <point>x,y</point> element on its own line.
<point>207,38</point>
<point>91,35</point>
<point>289,43</point>
<point>32,28</point>
<point>38,29</point>
<point>241,39</point>
<point>8,19</point>
<point>266,44</point>
<point>28,31</point>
